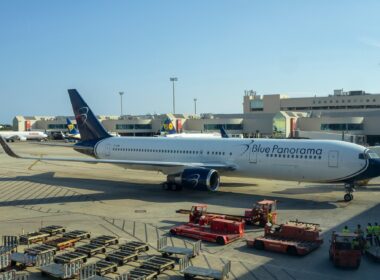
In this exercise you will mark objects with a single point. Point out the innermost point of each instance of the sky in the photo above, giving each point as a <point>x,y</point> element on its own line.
<point>216,48</point>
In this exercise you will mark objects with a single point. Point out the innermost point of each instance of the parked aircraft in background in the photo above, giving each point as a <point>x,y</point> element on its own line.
<point>169,130</point>
<point>73,133</point>
<point>198,162</point>
<point>11,136</point>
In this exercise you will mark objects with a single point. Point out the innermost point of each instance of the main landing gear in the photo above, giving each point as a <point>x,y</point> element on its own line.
<point>171,187</point>
<point>350,188</point>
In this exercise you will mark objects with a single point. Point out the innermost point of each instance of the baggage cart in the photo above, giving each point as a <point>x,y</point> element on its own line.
<point>25,260</point>
<point>158,264</point>
<point>135,246</point>
<point>121,257</point>
<point>14,275</point>
<point>40,249</point>
<point>10,244</point>
<point>165,250</point>
<point>61,271</point>
<point>88,272</point>
<point>105,240</point>
<point>53,230</point>
<point>33,237</point>
<point>103,267</point>
<point>80,234</point>
<point>193,271</point>
<point>91,249</point>
<point>71,257</point>
<point>142,274</point>
<point>62,243</point>
<point>5,260</point>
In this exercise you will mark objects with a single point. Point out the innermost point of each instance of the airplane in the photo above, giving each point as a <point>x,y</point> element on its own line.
<point>197,163</point>
<point>12,136</point>
<point>73,133</point>
<point>169,130</point>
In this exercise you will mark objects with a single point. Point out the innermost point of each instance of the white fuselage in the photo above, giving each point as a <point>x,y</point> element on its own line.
<point>296,160</point>
<point>23,135</point>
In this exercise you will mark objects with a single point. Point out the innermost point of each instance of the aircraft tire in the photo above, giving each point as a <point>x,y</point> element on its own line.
<point>348,197</point>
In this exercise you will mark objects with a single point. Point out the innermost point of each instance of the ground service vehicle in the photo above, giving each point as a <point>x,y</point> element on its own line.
<point>344,250</point>
<point>221,231</point>
<point>293,237</point>
<point>262,212</point>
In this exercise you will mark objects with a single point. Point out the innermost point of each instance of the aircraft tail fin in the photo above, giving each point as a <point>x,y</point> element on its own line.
<point>169,127</point>
<point>71,127</point>
<point>223,133</point>
<point>89,126</point>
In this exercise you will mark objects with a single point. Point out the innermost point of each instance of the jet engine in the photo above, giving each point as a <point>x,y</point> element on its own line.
<point>196,178</point>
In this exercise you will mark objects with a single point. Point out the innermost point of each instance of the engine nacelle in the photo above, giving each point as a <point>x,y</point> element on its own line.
<point>197,178</point>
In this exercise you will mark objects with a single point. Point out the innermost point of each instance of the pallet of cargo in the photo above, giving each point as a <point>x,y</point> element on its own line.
<point>40,249</point>
<point>105,240</point>
<point>374,253</point>
<point>121,257</point>
<point>91,249</point>
<point>139,273</point>
<point>190,272</point>
<point>62,243</point>
<point>103,267</point>
<point>53,230</point>
<point>70,257</point>
<point>33,237</point>
<point>159,264</point>
<point>61,271</point>
<point>81,234</point>
<point>135,246</point>
<point>165,250</point>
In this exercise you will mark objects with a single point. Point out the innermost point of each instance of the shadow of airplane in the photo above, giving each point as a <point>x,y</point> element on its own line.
<point>108,190</point>
<point>324,189</point>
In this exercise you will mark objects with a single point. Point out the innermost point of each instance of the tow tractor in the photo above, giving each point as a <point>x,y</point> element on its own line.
<point>293,237</point>
<point>345,250</point>
<point>217,230</point>
<point>262,212</point>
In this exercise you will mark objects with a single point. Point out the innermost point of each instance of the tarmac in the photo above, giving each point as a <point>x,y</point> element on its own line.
<point>107,199</point>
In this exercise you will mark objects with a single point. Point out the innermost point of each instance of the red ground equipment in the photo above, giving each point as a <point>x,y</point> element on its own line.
<point>262,212</point>
<point>217,230</point>
<point>293,237</point>
<point>345,250</point>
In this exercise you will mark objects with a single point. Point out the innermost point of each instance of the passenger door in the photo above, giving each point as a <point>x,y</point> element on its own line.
<point>252,155</point>
<point>333,158</point>
<point>108,150</point>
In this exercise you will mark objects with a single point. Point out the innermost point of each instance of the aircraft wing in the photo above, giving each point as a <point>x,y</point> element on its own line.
<point>216,165</point>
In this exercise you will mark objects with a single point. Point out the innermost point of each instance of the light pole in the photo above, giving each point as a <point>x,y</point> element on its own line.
<point>121,102</point>
<point>173,79</point>
<point>195,106</point>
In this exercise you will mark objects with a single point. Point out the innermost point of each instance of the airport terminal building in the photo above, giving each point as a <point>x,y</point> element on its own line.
<point>353,116</point>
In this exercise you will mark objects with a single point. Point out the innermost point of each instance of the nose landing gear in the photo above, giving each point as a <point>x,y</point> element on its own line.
<point>350,188</point>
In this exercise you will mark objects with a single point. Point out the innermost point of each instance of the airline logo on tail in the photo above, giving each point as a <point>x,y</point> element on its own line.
<point>169,127</point>
<point>71,127</point>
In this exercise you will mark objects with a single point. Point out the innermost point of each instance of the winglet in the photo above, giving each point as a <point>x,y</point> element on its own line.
<point>223,133</point>
<point>8,149</point>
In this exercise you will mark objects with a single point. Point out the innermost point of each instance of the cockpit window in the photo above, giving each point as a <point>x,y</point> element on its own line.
<point>362,156</point>
<point>368,155</point>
